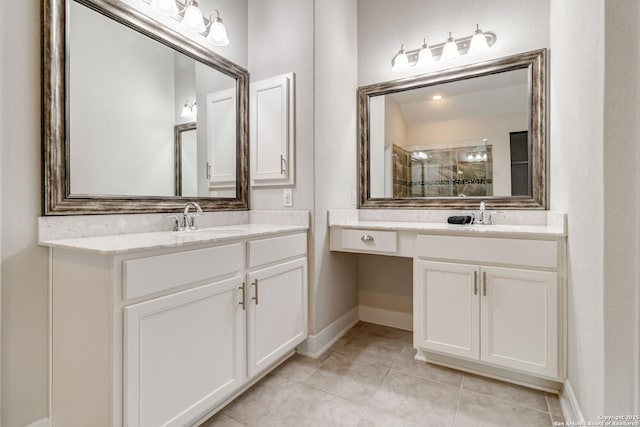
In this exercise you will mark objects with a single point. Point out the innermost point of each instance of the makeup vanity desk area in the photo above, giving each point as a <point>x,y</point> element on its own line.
<point>489,299</point>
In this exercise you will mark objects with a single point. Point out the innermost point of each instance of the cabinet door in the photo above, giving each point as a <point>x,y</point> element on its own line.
<point>272,131</point>
<point>183,354</point>
<point>520,319</point>
<point>221,139</point>
<point>277,298</point>
<point>446,308</point>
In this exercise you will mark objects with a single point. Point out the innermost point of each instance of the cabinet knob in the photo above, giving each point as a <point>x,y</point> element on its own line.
<point>367,238</point>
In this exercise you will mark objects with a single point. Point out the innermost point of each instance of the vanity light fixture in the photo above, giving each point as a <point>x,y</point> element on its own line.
<point>190,110</point>
<point>165,7</point>
<point>217,31</point>
<point>425,57</point>
<point>478,42</point>
<point>450,50</point>
<point>191,19</point>
<point>400,62</point>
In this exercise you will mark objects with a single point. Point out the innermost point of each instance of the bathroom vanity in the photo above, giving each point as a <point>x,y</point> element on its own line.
<point>489,299</point>
<point>163,328</point>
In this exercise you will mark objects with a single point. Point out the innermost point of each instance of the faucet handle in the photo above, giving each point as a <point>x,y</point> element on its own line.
<point>193,224</point>
<point>177,226</point>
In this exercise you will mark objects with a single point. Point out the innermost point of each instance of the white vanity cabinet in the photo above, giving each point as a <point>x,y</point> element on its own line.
<point>184,352</point>
<point>276,299</point>
<point>163,337</point>
<point>507,316</point>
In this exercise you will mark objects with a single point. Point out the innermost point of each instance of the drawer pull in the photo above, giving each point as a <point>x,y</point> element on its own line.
<point>255,283</point>
<point>367,238</point>
<point>242,288</point>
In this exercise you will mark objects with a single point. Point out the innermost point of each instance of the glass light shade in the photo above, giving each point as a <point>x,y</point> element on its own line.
<point>478,43</point>
<point>218,33</point>
<point>400,61</point>
<point>186,112</point>
<point>193,19</point>
<point>450,50</point>
<point>425,57</point>
<point>165,7</point>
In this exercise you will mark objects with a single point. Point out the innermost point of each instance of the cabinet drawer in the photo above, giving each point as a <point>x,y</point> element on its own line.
<point>266,251</point>
<point>369,240</point>
<point>533,253</point>
<point>146,276</point>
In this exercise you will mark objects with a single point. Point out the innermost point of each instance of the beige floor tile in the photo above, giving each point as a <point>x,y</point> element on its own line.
<point>554,404</point>
<point>373,418</point>
<point>559,419</point>
<point>502,390</point>
<point>478,410</point>
<point>260,400</point>
<point>406,363</point>
<point>372,349</point>
<point>221,420</point>
<point>414,399</point>
<point>347,378</point>
<point>298,368</point>
<point>309,407</point>
<point>385,331</point>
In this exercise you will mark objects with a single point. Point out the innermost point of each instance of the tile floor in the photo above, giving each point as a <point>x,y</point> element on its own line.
<point>370,378</point>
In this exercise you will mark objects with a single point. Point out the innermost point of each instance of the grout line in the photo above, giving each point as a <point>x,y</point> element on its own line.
<point>455,415</point>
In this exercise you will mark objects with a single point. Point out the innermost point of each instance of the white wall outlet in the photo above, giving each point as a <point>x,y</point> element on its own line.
<point>287,198</point>
<point>354,198</point>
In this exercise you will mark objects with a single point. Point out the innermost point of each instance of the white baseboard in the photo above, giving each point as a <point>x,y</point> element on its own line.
<point>380,316</point>
<point>42,422</point>
<point>569,404</point>
<point>317,344</point>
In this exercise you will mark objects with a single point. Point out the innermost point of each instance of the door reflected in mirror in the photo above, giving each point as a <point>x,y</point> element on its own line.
<point>127,93</point>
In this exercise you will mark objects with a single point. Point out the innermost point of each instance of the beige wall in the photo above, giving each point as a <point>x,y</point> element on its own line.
<point>594,143</point>
<point>334,281</point>
<point>24,264</point>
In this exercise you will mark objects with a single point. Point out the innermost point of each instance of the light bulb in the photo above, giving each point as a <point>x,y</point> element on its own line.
<point>425,57</point>
<point>478,43</point>
<point>478,156</point>
<point>450,50</point>
<point>186,112</point>
<point>193,19</point>
<point>165,7</point>
<point>217,32</point>
<point>400,61</point>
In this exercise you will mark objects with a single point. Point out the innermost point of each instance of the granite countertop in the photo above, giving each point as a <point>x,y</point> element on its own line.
<point>124,243</point>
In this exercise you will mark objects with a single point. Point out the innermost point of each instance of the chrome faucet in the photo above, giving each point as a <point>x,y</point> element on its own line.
<point>483,217</point>
<point>187,223</point>
<point>190,221</point>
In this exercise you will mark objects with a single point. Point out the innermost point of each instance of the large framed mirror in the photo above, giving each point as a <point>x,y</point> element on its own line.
<point>116,86</point>
<point>450,139</point>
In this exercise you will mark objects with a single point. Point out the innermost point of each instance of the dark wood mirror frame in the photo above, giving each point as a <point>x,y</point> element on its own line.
<point>536,63</point>
<point>57,198</point>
